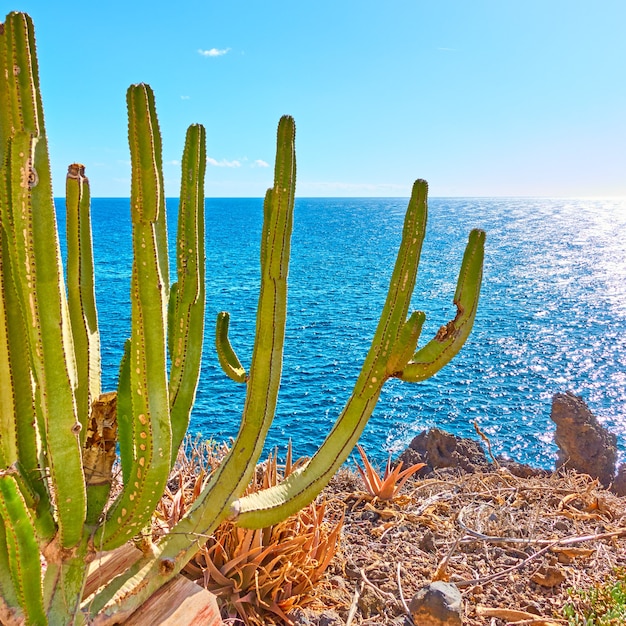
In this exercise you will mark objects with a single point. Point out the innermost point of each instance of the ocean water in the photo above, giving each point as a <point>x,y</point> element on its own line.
<point>552,315</point>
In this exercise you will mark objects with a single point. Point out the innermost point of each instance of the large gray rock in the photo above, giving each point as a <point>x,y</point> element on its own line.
<point>584,444</point>
<point>437,604</point>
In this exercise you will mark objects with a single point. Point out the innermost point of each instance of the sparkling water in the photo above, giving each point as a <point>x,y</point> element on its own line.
<point>551,318</point>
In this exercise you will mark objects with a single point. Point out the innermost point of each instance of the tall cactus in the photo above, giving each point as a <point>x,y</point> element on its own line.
<point>59,433</point>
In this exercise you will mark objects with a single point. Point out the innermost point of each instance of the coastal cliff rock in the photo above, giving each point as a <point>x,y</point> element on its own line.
<point>584,444</point>
<point>439,449</point>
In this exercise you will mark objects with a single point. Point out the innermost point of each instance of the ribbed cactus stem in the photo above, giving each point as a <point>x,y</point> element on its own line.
<point>81,292</point>
<point>22,550</point>
<point>187,298</point>
<point>233,475</point>
<point>35,259</point>
<point>389,356</point>
<point>149,397</point>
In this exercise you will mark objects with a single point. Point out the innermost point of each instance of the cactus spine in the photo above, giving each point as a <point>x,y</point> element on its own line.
<point>58,432</point>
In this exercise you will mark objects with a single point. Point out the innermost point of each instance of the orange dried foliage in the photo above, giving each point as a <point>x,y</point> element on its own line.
<point>256,575</point>
<point>388,486</point>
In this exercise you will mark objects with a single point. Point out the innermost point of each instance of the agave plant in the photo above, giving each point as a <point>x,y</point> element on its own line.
<point>261,575</point>
<point>59,435</point>
<point>387,486</point>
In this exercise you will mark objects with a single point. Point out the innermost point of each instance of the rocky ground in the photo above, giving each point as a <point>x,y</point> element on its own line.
<point>508,543</point>
<point>514,540</point>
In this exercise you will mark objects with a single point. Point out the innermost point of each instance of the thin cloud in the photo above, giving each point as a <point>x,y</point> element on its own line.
<point>214,52</point>
<point>185,97</point>
<point>223,162</point>
<point>260,163</point>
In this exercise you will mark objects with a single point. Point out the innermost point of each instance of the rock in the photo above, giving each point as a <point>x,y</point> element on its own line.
<point>521,470</point>
<point>427,542</point>
<point>437,604</point>
<point>439,449</point>
<point>584,444</point>
<point>548,576</point>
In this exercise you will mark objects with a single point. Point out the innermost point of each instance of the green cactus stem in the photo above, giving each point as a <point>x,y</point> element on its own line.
<point>22,550</point>
<point>231,365</point>
<point>59,433</point>
<point>187,298</point>
<point>81,293</point>
<point>389,356</point>
<point>35,259</point>
<point>152,434</point>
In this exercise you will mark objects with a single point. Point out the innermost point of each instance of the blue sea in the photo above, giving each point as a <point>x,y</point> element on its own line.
<point>552,315</point>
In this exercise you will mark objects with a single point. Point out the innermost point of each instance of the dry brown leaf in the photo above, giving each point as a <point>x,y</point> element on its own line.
<point>514,617</point>
<point>567,555</point>
<point>508,614</point>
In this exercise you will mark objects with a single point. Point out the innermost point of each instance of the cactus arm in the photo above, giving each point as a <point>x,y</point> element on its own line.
<point>226,355</point>
<point>451,337</point>
<point>186,322</point>
<point>52,350</point>
<point>22,550</point>
<point>36,265</point>
<point>407,342</point>
<point>6,115</point>
<point>133,508</point>
<point>81,293</point>
<point>265,507</point>
<point>129,591</point>
<point>24,109</point>
<point>19,428</point>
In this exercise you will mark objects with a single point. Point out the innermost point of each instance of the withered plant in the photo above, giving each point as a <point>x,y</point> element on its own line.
<point>257,575</point>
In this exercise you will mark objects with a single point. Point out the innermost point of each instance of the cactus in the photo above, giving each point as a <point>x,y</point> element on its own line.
<point>59,432</point>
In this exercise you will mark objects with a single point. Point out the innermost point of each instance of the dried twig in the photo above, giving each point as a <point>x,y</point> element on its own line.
<point>355,602</point>
<point>484,437</point>
<point>401,593</point>
<point>568,541</point>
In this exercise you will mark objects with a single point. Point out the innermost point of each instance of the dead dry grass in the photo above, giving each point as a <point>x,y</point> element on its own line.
<point>508,543</point>
<point>514,546</point>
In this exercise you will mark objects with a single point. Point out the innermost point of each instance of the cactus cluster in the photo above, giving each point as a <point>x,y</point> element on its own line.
<point>60,435</point>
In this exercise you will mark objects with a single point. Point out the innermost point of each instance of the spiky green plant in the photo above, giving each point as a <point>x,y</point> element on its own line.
<point>58,433</point>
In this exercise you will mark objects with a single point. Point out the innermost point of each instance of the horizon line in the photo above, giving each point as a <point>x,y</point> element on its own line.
<point>470,197</point>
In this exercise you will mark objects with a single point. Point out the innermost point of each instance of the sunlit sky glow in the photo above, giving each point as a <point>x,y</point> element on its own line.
<point>481,98</point>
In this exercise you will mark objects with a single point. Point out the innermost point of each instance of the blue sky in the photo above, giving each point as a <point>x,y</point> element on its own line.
<point>481,97</point>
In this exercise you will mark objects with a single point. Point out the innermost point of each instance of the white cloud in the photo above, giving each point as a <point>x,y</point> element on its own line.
<point>223,162</point>
<point>172,162</point>
<point>214,52</point>
<point>185,97</point>
<point>260,163</point>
